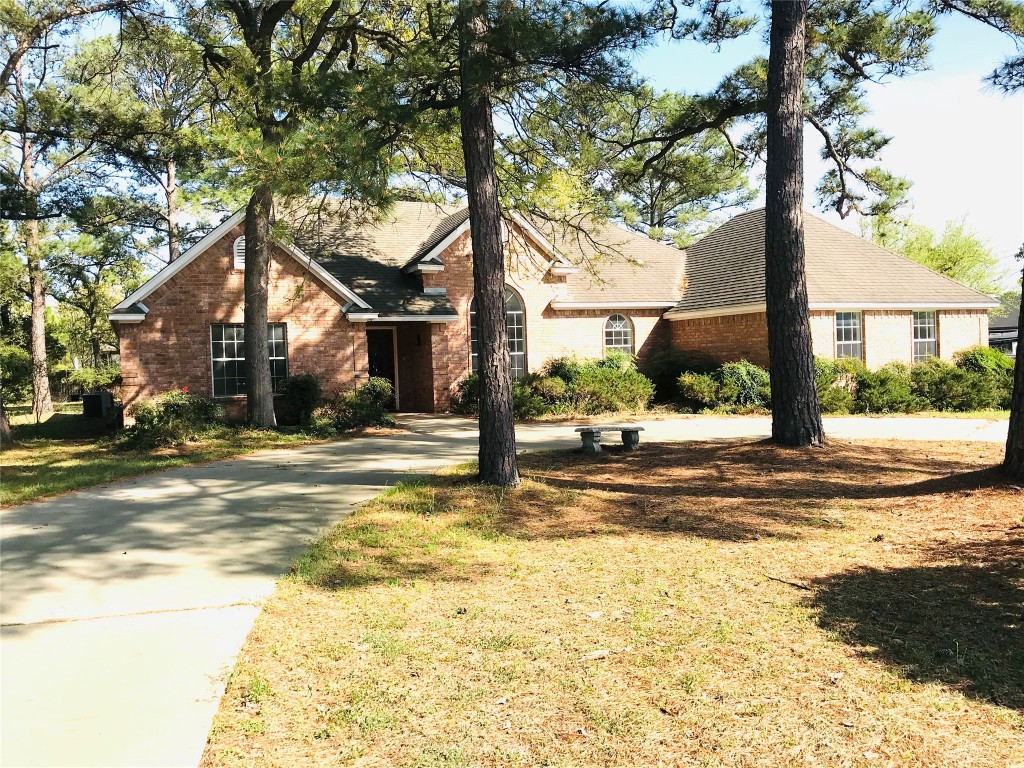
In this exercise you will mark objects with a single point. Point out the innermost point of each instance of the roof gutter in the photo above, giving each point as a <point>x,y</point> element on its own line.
<point>563,305</point>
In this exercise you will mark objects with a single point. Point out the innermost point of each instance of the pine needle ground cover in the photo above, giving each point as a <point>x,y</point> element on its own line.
<point>703,604</point>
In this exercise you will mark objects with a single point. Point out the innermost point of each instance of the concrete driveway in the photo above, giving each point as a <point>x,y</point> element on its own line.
<point>124,607</point>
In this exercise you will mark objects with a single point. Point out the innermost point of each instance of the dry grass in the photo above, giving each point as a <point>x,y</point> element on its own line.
<point>623,610</point>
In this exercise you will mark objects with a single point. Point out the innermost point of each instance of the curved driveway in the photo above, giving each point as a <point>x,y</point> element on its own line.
<point>123,607</point>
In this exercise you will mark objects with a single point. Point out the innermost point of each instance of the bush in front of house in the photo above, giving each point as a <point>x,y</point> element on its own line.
<point>303,394</point>
<point>947,387</point>
<point>994,366</point>
<point>739,386</point>
<point>835,381</point>
<point>664,369</point>
<point>173,418</point>
<point>364,406</point>
<point>887,390</point>
<point>569,385</point>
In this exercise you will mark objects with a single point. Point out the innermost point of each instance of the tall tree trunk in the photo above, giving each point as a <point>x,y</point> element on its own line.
<point>5,424</point>
<point>260,405</point>
<point>1013,463</point>
<point>497,453</point>
<point>796,415</point>
<point>173,242</point>
<point>42,402</point>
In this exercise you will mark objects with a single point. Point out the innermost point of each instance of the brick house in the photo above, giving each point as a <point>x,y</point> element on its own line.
<point>395,298</point>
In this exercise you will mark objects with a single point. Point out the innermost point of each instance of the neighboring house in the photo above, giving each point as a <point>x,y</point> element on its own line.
<point>1003,332</point>
<point>395,299</point>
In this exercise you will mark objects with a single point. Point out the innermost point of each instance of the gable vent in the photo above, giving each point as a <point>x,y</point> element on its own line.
<point>239,253</point>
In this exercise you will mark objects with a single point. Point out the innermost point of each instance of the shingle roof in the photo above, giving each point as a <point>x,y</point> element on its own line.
<point>617,265</point>
<point>367,256</point>
<point>726,268</point>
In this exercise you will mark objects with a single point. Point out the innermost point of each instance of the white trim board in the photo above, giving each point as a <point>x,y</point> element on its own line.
<point>745,309</point>
<point>374,317</point>
<point>563,305</point>
<point>434,254</point>
<point>215,236</point>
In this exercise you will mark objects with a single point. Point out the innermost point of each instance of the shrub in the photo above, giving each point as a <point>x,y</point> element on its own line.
<point>834,386</point>
<point>665,368</point>
<point>570,385</point>
<point>564,368</point>
<point>616,360</point>
<point>887,390</point>
<point>599,389</point>
<point>994,366</point>
<point>699,391</point>
<point>946,387</point>
<point>744,384</point>
<point>303,393</point>
<point>466,397</point>
<point>983,360</point>
<point>552,389</point>
<point>15,373</point>
<point>365,406</point>
<point>526,403</point>
<point>173,418</point>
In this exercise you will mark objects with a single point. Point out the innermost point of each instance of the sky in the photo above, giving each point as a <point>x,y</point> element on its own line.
<point>957,140</point>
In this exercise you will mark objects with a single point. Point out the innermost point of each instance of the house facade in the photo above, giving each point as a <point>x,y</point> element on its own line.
<point>394,298</point>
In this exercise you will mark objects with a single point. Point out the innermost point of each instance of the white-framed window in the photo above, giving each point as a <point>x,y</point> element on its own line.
<point>926,343</point>
<point>849,335</point>
<point>227,352</point>
<point>515,326</point>
<point>618,334</point>
<point>238,252</point>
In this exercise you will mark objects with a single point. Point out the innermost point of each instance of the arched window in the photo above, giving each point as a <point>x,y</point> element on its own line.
<point>618,334</point>
<point>515,325</point>
<point>238,251</point>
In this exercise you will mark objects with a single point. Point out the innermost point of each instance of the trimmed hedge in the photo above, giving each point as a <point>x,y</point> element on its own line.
<point>980,379</point>
<point>569,385</point>
<point>303,393</point>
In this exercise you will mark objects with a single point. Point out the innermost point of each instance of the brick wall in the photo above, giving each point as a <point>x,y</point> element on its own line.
<point>725,339</point>
<point>549,333</point>
<point>961,328</point>
<point>170,349</point>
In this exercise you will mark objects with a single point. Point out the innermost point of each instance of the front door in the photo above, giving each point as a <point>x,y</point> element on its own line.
<point>380,351</point>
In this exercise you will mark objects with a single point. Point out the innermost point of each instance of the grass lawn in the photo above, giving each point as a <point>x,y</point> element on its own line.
<point>705,604</point>
<point>68,451</point>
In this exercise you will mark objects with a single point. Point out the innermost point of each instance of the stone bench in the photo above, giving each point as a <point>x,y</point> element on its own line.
<point>592,436</point>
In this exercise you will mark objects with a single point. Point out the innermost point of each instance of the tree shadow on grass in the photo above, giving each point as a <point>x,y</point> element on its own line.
<point>961,624</point>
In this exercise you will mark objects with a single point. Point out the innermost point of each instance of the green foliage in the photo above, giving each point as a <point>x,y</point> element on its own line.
<point>551,389</point>
<point>699,391</point>
<point>569,385</point>
<point>834,385</point>
<point>664,369</point>
<point>93,379</point>
<point>983,360</point>
<point>745,384</point>
<point>602,389</point>
<point>946,387</point>
<point>733,386</point>
<point>364,406</point>
<point>15,373</point>
<point>303,393</point>
<point>173,418</point>
<point>887,390</point>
